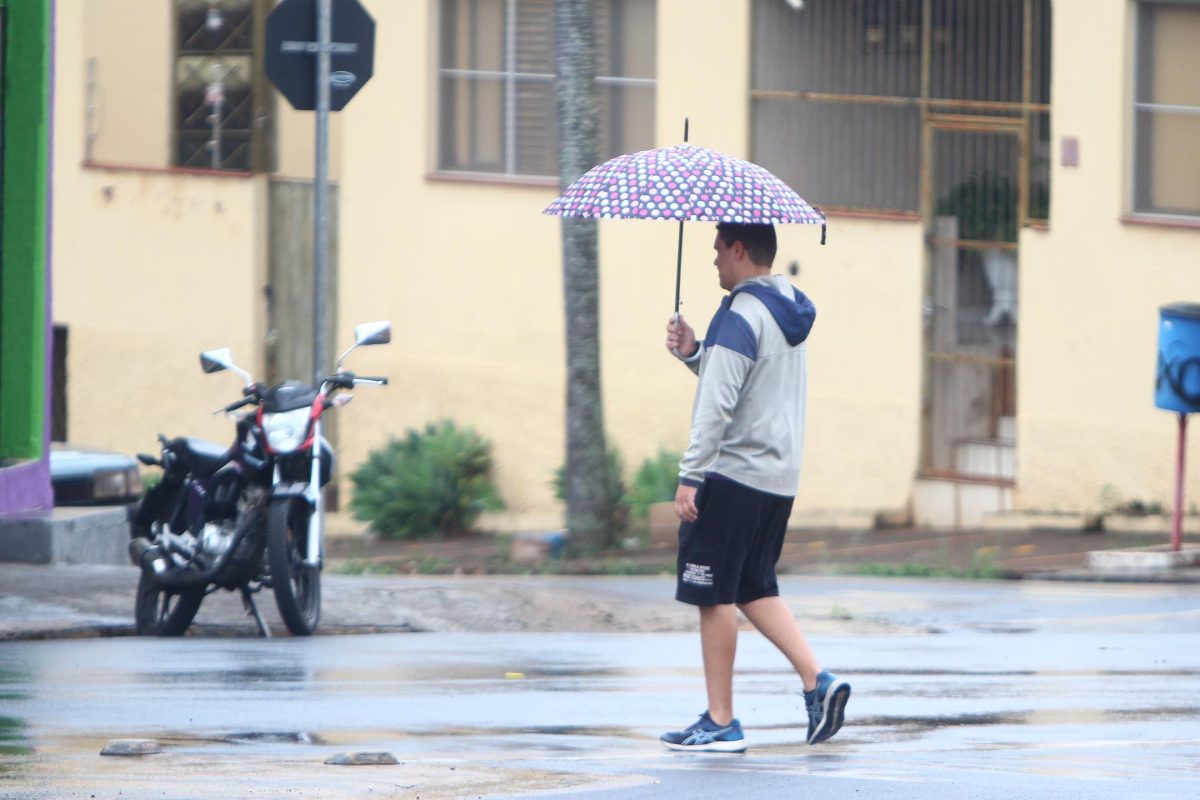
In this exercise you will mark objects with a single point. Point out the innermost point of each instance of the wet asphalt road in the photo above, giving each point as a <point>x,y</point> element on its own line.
<point>1013,690</point>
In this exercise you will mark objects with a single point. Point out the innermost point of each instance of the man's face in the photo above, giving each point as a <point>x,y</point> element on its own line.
<point>725,262</point>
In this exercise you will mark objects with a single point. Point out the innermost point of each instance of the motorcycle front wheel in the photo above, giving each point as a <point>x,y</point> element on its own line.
<point>159,611</point>
<point>297,585</point>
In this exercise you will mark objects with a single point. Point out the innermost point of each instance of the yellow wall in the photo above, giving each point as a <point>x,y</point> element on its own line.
<point>864,378</point>
<point>296,143</point>
<point>471,275</point>
<point>470,272</point>
<point>152,268</point>
<point>131,46</point>
<point>1090,291</point>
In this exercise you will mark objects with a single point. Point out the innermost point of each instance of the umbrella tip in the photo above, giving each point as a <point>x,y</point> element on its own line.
<point>685,129</point>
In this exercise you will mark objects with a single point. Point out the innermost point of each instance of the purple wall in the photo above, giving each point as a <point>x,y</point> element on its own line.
<point>26,487</point>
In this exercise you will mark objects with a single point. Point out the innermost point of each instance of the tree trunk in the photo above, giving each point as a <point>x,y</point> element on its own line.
<point>588,521</point>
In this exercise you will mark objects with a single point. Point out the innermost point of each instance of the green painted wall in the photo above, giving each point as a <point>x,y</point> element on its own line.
<point>23,221</point>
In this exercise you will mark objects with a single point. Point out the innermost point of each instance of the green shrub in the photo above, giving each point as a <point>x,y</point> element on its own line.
<point>656,481</point>
<point>433,482</point>
<point>150,480</point>
<point>618,502</point>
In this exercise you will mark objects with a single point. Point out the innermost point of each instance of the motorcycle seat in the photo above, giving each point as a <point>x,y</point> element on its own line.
<point>200,456</point>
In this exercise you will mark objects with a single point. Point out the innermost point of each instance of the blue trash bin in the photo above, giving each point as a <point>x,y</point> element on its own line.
<point>1178,384</point>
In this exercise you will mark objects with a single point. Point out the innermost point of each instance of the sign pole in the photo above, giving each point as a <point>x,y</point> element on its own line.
<point>303,71</point>
<point>1180,456</point>
<point>321,188</point>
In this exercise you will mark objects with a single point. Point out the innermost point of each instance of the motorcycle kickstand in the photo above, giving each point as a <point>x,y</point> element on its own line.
<point>252,608</point>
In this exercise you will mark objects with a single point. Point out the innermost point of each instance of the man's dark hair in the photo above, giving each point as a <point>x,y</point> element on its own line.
<point>759,240</point>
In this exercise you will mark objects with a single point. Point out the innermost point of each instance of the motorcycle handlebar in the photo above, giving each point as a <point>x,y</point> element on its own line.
<point>236,404</point>
<point>348,380</point>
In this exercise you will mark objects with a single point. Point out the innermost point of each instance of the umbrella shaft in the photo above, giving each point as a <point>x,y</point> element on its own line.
<point>678,268</point>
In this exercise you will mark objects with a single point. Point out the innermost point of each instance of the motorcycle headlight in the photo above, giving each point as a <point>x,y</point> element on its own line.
<point>287,430</point>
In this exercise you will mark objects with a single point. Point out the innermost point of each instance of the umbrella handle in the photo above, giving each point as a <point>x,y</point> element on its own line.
<point>675,321</point>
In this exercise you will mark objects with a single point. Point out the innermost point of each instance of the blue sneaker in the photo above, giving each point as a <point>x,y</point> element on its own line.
<point>826,706</point>
<point>704,735</point>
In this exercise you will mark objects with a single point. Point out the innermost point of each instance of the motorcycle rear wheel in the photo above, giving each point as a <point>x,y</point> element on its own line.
<point>297,585</point>
<point>159,611</point>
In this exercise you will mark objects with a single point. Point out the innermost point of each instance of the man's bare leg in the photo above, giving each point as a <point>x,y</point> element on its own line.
<point>718,641</point>
<point>775,621</point>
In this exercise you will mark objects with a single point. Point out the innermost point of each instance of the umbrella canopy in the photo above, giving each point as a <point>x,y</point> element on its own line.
<point>683,182</point>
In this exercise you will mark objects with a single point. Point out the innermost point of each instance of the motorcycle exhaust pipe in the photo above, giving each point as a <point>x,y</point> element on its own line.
<point>152,558</point>
<point>139,548</point>
<point>174,543</point>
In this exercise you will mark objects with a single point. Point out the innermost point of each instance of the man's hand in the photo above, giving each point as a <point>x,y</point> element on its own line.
<point>685,503</point>
<point>681,338</point>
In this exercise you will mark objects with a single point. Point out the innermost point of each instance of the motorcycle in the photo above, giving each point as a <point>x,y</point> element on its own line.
<point>248,516</point>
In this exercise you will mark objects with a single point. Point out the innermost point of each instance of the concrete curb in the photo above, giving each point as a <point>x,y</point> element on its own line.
<point>67,536</point>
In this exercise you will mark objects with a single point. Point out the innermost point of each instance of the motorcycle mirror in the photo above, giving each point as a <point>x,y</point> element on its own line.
<point>373,333</point>
<point>216,360</point>
<point>221,360</point>
<point>368,333</point>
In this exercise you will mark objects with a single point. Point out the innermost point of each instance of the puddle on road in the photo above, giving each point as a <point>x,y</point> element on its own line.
<point>204,775</point>
<point>15,748</point>
<point>939,673</point>
<point>233,678</point>
<point>272,762</point>
<point>1154,713</point>
<point>272,737</point>
<point>352,679</point>
<point>1044,717</point>
<point>15,744</point>
<point>13,737</point>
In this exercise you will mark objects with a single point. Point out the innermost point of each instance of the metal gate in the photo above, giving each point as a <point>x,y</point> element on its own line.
<point>973,212</point>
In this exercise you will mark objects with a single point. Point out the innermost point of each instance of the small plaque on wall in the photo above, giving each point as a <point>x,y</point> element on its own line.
<point>1070,151</point>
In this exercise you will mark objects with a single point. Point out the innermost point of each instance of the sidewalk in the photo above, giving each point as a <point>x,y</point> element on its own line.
<point>470,583</point>
<point>1050,554</point>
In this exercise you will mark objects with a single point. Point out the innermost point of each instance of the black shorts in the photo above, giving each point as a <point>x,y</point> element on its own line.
<point>728,554</point>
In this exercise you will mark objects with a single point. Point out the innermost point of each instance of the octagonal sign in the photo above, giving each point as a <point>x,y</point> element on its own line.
<point>291,51</point>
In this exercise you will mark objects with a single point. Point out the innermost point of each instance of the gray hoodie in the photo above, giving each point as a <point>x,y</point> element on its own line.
<point>748,417</point>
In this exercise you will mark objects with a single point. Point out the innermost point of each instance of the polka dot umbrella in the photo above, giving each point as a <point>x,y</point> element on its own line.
<point>684,182</point>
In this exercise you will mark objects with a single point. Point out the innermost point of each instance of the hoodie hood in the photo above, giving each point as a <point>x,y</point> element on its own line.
<point>791,308</point>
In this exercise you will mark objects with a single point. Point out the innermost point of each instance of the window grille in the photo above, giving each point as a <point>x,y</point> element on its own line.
<point>219,93</point>
<point>841,89</point>
<point>1166,171</point>
<point>497,103</point>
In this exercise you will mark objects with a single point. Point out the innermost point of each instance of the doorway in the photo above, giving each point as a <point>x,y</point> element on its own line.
<point>973,212</point>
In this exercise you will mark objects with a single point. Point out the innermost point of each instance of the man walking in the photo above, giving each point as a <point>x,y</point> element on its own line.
<point>738,478</point>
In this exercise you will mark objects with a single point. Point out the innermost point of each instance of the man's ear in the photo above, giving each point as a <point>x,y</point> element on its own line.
<point>739,250</point>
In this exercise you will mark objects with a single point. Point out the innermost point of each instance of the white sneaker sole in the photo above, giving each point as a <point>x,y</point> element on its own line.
<point>836,698</point>
<point>711,747</point>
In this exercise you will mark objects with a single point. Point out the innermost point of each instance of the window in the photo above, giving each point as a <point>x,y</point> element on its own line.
<point>219,91</point>
<point>841,90</point>
<point>496,75</point>
<point>1166,172</point>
